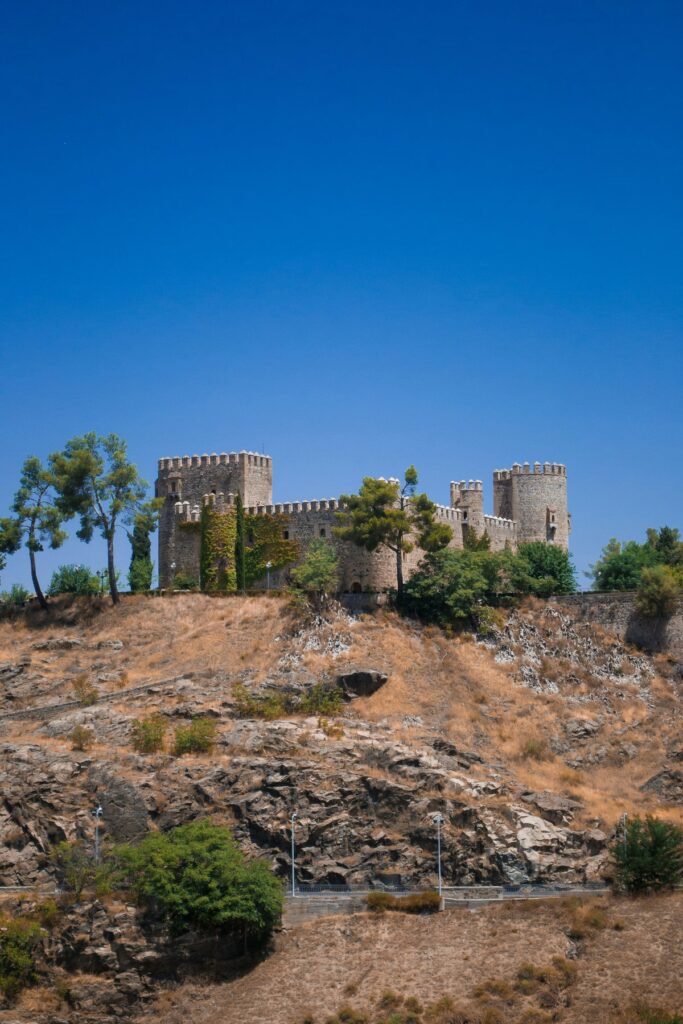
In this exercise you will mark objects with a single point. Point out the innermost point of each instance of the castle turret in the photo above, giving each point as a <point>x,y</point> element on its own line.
<point>186,479</point>
<point>536,498</point>
<point>468,496</point>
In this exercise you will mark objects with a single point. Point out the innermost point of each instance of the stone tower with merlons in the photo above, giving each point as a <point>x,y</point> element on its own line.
<point>529,504</point>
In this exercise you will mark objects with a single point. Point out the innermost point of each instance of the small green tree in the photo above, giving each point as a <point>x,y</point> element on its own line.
<point>148,734</point>
<point>196,876</point>
<point>38,517</point>
<point>543,569</point>
<point>141,567</point>
<point>318,574</point>
<point>75,866</point>
<point>387,514</point>
<point>649,855</point>
<point>659,592</point>
<point>73,579</point>
<point>453,586</point>
<point>19,941</point>
<point>198,737</point>
<point>96,481</point>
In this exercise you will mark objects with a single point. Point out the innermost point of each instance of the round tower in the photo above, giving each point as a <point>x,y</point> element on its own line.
<point>536,498</point>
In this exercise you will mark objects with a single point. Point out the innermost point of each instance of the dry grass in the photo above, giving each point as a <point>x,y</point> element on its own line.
<point>451,685</point>
<point>508,959</point>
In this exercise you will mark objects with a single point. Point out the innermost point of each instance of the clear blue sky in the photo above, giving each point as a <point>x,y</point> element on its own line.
<point>355,235</point>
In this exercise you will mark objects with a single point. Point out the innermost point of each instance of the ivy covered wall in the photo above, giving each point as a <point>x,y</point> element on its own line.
<point>217,552</point>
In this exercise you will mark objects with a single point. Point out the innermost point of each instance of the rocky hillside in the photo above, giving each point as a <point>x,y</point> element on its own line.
<point>531,742</point>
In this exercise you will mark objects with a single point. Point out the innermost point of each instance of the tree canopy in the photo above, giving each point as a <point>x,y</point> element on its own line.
<point>197,877</point>
<point>97,482</point>
<point>386,513</point>
<point>621,564</point>
<point>318,574</point>
<point>37,517</point>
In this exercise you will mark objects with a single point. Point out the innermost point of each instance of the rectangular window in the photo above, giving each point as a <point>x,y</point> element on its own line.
<point>285,534</point>
<point>322,531</point>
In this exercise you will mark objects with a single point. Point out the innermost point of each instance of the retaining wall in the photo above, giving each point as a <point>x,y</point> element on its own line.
<point>616,613</point>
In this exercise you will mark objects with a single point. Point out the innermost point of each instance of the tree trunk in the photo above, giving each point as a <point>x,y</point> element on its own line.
<point>113,590</point>
<point>399,569</point>
<point>34,579</point>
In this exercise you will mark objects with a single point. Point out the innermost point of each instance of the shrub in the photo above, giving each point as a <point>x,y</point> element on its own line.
<point>649,855</point>
<point>319,700</point>
<point>197,738</point>
<point>73,579</point>
<point>659,592</point>
<point>148,734</point>
<point>417,903</point>
<point>318,574</point>
<point>196,876</point>
<point>182,581</point>
<point>19,940</point>
<point>84,691</point>
<point>543,569</point>
<point>535,749</point>
<point>15,597</point>
<point>76,867</point>
<point>140,575</point>
<point>82,738</point>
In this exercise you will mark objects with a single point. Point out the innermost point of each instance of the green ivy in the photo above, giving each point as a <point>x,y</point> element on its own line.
<point>265,542</point>
<point>217,558</point>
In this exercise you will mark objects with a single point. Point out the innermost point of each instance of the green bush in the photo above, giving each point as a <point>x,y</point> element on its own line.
<point>417,903</point>
<point>140,575</point>
<point>659,592</point>
<point>148,734</point>
<point>182,581</point>
<point>319,700</point>
<point>19,941</point>
<point>15,597</point>
<point>77,869</point>
<point>73,579</point>
<point>650,855</point>
<point>542,569</point>
<point>318,574</point>
<point>84,691</point>
<point>198,737</point>
<point>195,876</point>
<point>82,738</point>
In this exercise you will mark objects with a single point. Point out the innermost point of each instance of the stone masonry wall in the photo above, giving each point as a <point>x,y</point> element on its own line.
<point>616,613</point>
<point>522,498</point>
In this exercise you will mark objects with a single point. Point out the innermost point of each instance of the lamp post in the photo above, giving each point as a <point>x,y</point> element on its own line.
<point>438,821</point>
<point>269,566</point>
<point>172,574</point>
<point>98,812</point>
<point>292,820</point>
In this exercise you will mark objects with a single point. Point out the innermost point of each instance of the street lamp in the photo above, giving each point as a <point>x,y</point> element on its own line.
<point>98,812</point>
<point>292,820</point>
<point>438,820</point>
<point>172,574</point>
<point>269,566</point>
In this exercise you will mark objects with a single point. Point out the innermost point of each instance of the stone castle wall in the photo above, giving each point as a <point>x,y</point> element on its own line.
<point>535,497</point>
<point>616,613</point>
<point>188,482</point>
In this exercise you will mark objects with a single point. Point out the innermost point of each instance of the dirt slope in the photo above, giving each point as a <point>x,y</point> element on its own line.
<point>336,961</point>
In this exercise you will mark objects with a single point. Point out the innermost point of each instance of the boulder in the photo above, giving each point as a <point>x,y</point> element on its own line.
<point>361,683</point>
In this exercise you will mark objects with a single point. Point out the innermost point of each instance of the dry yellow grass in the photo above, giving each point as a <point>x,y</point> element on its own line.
<point>334,961</point>
<point>452,684</point>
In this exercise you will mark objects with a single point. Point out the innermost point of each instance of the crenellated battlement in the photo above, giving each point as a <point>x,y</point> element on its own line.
<point>529,504</point>
<point>521,468</point>
<point>500,523</point>
<point>224,459</point>
<point>466,485</point>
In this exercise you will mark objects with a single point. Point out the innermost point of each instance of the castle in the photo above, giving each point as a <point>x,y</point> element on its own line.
<point>529,504</point>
